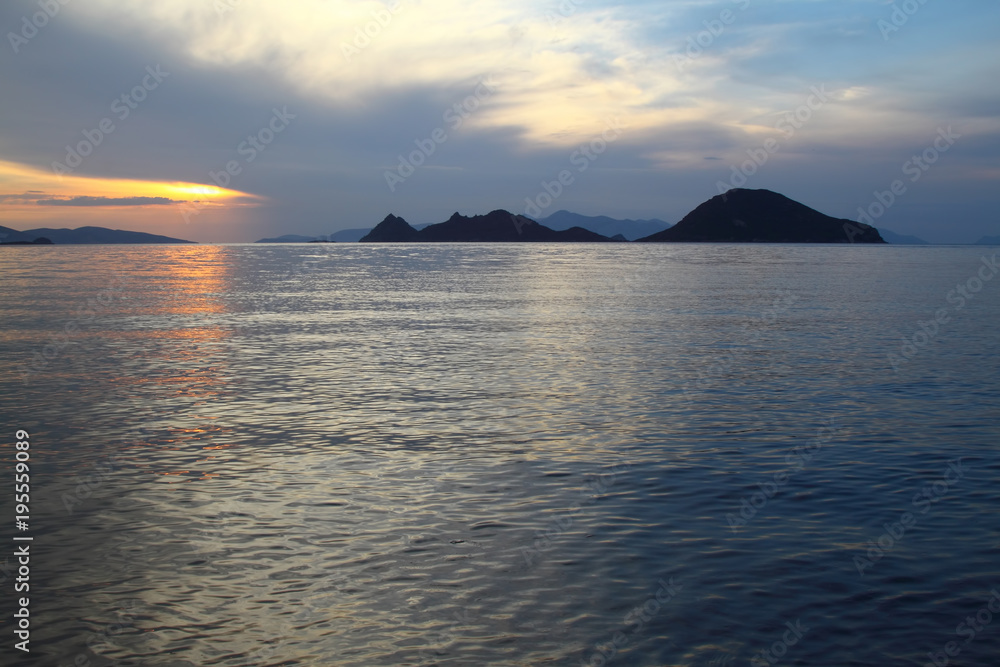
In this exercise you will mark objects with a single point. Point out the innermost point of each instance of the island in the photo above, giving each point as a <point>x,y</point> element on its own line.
<point>80,235</point>
<point>289,238</point>
<point>762,216</point>
<point>738,216</point>
<point>41,240</point>
<point>496,226</point>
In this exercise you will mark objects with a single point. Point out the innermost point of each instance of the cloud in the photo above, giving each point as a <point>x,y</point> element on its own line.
<point>561,72</point>
<point>563,68</point>
<point>110,201</point>
<point>368,89</point>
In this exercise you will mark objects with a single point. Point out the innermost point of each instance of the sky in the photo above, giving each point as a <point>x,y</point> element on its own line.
<point>331,114</point>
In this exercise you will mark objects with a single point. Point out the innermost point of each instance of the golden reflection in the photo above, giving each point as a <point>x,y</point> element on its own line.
<point>185,360</point>
<point>195,276</point>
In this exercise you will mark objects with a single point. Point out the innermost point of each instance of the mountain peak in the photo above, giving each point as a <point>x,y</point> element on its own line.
<point>746,216</point>
<point>391,229</point>
<point>496,226</point>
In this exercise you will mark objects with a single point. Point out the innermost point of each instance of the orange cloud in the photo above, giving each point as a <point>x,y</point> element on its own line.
<point>30,195</point>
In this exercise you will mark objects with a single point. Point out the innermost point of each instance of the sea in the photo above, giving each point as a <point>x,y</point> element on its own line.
<point>500,454</point>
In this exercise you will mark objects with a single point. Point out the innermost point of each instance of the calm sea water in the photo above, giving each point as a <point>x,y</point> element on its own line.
<point>504,454</point>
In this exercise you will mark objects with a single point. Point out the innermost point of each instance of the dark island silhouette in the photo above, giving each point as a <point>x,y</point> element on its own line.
<point>762,216</point>
<point>83,235</point>
<point>289,238</point>
<point>497,226</point>
<point>41,240</point>
<point>738,216</point>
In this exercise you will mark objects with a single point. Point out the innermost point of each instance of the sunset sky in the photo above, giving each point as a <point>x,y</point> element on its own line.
<point>650,106</point>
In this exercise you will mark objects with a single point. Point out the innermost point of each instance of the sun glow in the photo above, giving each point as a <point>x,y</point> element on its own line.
<point>31,197</point>
<point>202,190</point>
<point>23,185</point>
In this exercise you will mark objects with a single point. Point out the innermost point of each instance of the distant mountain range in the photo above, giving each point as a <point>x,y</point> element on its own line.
<point>602,224</point>
<point>290,238</point>
<point>611,227</point>
<point>343,236</point>
<point>738,216</point>
<point>84,235</point>
<point>762,216</point>
<point>900,239</point>
<point>558,221</point>
<point>496,226</point>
